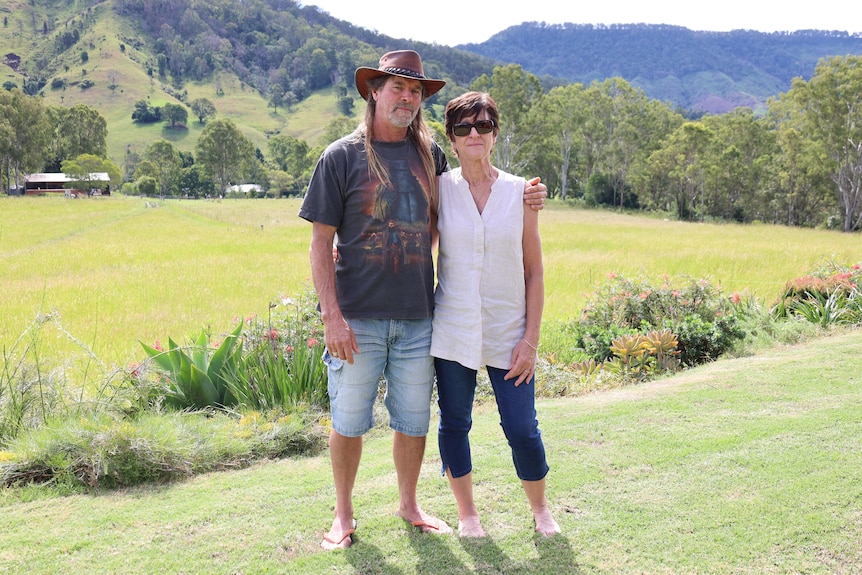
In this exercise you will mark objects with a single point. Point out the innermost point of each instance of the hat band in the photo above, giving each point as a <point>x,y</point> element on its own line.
<point>404,72</point>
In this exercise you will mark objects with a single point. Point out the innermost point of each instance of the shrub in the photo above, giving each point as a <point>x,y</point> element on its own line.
<point>703,320</point>
<point>831,294</point>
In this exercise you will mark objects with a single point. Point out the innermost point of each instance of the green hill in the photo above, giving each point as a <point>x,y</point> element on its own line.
<point>111,54</point>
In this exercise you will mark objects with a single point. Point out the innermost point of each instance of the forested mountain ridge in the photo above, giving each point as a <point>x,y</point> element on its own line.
<point>700,71</point>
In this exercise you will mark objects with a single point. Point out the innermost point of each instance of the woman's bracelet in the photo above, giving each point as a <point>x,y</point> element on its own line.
<point>535,347</point>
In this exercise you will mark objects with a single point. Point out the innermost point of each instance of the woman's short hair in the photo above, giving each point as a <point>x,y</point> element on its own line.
<point>470,105</point>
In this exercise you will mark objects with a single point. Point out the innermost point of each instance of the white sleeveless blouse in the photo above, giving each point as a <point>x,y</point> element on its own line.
<point>480,299</point>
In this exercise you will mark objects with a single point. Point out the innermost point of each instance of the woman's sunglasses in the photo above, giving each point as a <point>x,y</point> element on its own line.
<point>482,127</point>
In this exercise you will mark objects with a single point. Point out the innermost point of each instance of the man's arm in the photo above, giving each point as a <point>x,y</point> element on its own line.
<point>337,335</point>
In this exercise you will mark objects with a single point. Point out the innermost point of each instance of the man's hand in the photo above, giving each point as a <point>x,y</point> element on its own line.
<point>535,193</point>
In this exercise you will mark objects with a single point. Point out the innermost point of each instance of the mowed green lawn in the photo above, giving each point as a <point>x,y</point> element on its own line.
<point>112,271</point>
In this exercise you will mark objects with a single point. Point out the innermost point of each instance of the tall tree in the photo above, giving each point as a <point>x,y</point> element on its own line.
<point>679,169</point>
<point>801,191</point>
<point>224,153</point>
<point>167,163</point>
<point>831,103</point>
<point>202,108</point>
<point>26,128</point>
<point>558,119</point>
<point>515,92</point>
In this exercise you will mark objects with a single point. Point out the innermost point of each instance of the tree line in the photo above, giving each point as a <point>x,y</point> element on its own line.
<point>605,143</point>
<point>798,164</point>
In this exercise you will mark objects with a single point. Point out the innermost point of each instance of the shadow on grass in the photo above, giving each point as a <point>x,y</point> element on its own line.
<point>368,560</point>
<point>555,556</point>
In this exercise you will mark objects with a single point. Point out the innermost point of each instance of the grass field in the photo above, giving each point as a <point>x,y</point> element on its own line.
<point>113,271</point>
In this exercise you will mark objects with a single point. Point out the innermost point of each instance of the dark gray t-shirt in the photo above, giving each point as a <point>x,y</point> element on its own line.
<point>384,268</point>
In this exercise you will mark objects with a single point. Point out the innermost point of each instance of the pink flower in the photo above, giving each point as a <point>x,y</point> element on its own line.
<point>644,295</point>
<point>735,298</point>
<point>288,349</point>
<point>134,370</point>
<point>854,267</point>
<point>675,293</point>
<point>273,334</point>
<point>312,342</point>
<point>158,346</point>
<point>612,276</point>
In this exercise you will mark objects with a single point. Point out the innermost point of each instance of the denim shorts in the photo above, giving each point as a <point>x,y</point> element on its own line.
<point>399,351</point>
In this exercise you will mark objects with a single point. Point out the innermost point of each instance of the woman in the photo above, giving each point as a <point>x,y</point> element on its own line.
<point>488,309</point>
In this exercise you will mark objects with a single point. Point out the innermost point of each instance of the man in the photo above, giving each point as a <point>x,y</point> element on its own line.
<point>374,190</point>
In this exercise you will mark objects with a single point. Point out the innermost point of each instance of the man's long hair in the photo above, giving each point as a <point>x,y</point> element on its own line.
<point>418,132</point>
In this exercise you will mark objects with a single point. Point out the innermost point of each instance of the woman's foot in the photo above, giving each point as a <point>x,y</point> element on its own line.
<point>545,524</point>
<point>470,527</point>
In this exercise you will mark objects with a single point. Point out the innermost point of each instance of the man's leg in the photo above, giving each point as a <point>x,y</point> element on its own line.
<point>409,377</point>
<point>352,392</point>
<point>345,453</point>
<point>408,453</point>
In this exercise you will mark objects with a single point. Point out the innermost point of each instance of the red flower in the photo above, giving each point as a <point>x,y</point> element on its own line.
<point>273,334</point>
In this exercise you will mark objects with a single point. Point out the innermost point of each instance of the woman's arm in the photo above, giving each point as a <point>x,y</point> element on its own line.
<point>523,364</point>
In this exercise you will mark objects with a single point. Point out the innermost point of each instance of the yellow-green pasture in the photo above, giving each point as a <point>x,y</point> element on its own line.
<point>116,270</point>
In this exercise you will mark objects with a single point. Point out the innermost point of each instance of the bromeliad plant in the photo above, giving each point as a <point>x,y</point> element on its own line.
<point>197,375</point>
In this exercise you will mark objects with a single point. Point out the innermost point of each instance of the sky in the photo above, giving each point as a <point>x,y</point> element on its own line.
<point>453,22</point>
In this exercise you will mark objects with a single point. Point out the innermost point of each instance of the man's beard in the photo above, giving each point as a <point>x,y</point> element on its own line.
<point>402,116</point>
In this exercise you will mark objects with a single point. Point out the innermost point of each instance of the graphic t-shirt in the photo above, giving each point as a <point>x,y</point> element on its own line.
<point>384,268</point>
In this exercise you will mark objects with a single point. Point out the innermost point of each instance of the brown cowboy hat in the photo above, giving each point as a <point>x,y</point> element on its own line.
<point>403,63</point>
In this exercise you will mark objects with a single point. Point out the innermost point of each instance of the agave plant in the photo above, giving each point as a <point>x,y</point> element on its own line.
<point>196,375</point>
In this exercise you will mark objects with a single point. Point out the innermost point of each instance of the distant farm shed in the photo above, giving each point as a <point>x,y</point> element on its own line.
<point>35,184</point>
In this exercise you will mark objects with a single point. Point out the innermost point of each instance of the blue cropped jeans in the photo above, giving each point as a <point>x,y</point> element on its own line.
<point>456,389</point>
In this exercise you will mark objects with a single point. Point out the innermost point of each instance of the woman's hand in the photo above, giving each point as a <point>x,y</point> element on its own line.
<point>523,365</point>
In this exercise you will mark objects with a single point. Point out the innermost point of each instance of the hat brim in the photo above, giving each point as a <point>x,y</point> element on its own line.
<point>363,75</point>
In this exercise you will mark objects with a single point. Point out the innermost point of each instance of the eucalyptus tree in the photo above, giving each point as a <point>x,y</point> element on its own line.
<point>166,163</point>
<point>801,190</point>
<point>737,164</point>
<point>558,143</point>
<point>224,153</point>
<point>678,170</point>
<point>202,108</point>
<point>25,132</point>
<point>831,107</point>
<point>515,92</point>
